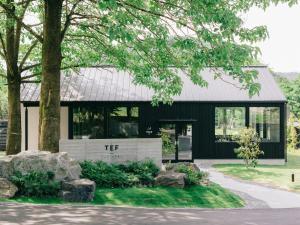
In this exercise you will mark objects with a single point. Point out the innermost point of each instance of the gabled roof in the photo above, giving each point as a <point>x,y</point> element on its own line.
<point>108,84</point>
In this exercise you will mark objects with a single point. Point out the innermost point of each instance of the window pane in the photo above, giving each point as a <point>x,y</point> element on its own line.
<point>88,122</point>
<point>266,122</point>
<point>123,122</point>
<point>228,122</point>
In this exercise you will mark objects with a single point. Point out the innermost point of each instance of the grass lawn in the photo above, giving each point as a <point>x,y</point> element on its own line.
<point>277,176</point>
<point>212,196</point>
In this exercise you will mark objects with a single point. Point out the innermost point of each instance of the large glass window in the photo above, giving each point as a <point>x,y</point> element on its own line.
<point>97,122</point>
<point>123,122</point>
<point>88,122</point>
<point>228,122</point>
<point>266,122</point>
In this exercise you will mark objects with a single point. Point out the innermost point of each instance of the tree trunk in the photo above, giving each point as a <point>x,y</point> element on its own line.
<point>13,145</point>
<point>49,124</point>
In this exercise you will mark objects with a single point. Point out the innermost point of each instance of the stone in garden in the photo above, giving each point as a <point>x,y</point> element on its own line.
<point>195,167</point>
<point>60,164</point>
<point>82,190</point>
<point>170,179</point>
<point>6,169</point>
<point>7,188</point>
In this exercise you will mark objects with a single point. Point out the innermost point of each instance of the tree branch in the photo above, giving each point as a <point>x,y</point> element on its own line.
<point>30,67</point>
<point>30,76</point>
<point>68,20</point>
<point>63,68</point>
<point>28,28</point>
<point>156,14</point>
<point>3,46</point>
<point>21,69</point>
<point>18,29</point>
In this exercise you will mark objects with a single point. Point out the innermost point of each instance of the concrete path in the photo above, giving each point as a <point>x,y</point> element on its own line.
<point>25,214</point>
<point>258,196</point>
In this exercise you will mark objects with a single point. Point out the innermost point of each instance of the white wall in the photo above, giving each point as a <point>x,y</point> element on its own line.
<point>23,127</point>
<point>33,125</point>
<point>114,150</point>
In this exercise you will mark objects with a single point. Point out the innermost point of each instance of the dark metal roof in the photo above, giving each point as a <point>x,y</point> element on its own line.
<point>94,84</point>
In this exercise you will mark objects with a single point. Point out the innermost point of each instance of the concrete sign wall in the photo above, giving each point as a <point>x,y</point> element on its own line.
<point>114,150</point>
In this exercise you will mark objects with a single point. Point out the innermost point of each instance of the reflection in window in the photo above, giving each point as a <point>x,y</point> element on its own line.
<point>228,122</point>
<point>266,122</point>
<point>123,122</point>
<point>88,122</point>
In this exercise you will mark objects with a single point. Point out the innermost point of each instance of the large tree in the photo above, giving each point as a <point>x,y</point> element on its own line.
<point>16,46</point>
<point>152,39</point>
<point>49,126</point>
<point>20,48</point>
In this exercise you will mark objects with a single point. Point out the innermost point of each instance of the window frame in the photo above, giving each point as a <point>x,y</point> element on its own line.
<point>109,120</point>
<point>247,106</point>
<point>107,109</point>
<point>216,140</point>
<point>279,124</point>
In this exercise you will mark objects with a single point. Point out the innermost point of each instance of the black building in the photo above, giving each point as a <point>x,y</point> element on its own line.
<point>200,124</point>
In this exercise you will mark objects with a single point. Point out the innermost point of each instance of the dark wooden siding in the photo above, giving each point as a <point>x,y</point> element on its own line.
<point>202,116</point>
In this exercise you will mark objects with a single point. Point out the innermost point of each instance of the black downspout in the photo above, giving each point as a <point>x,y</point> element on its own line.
<point>70,122</point>
<point>285,131</point>
<point>26,128</point>
<point>247,116</point>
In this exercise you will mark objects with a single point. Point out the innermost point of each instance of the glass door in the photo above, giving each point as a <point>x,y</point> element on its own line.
<point>184,137</point>
<point>168,136</point>
<point>177,141</point>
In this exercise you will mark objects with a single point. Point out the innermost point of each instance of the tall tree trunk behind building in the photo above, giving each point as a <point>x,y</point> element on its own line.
<point>49,124</point>
<point>13,145</point>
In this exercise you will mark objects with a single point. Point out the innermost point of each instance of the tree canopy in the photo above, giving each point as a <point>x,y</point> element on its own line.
<point>152,39</point>
<point>291,89</point>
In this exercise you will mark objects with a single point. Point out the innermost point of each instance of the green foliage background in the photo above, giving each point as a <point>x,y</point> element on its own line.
<point>291,89</point>
<point>3,100</point>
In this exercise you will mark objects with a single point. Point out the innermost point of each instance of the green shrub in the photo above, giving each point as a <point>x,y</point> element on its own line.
<point>168,146</point>
<point>111,176</point>
<point>36,184</point>
<point>103,174</point>
<point>144,171</point>
<point>249,149</point>
<point>193,176</point>
<point>292,135</point>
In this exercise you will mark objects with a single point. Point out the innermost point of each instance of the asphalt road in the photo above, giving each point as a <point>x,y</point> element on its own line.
<point>26,214</point>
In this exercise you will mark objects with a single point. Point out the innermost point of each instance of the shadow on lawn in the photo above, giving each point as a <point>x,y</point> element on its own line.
<point>248,174</point>
<point>197,196</point>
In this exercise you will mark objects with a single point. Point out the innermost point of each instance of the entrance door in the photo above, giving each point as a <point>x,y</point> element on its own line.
<point>177,141</point>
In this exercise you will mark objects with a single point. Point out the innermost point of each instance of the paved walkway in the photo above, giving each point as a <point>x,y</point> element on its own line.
<point>25,214</point>
<point>256,195</point>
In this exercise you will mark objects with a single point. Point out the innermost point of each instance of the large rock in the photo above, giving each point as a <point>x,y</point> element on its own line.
<point>60,164</point>
<point>82,190</point>
<point>174,166</point>
<point>6,169</point>
<point>7,188</point>
<point>170,179</point>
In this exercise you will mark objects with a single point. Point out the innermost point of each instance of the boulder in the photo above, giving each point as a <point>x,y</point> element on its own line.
<point>7,188</point>
<point>170,179</point>
<point>172,167</point>
<point>6,169</point>
<point>82,190</point>
<point>63,167</point>
<point>195,167</point>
